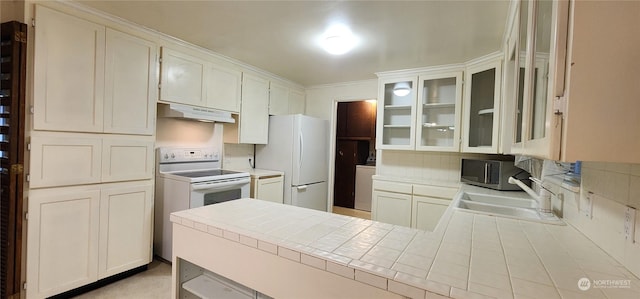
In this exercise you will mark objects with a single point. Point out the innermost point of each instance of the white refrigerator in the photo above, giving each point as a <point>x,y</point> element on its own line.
<point>298,146</point>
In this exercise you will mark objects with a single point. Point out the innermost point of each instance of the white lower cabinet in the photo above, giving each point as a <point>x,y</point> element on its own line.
<point>126,211</point>
<point>393,208</point>
<point>411,205</point>
<point>427,211</point>
<point>62,239</point>
<point>79,234</point>
<point>269,189</point>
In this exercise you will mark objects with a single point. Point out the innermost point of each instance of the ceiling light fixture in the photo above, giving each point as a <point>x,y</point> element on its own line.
<point>338,40</point>
<point>402,89</point>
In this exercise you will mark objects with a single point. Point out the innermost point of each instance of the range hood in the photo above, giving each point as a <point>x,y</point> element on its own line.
<point>195,113</point>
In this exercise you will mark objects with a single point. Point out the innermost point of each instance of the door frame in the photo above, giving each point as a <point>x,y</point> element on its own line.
<point>332,146</point>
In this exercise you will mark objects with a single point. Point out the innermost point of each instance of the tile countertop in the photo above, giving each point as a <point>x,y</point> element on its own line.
<point>468,256</point>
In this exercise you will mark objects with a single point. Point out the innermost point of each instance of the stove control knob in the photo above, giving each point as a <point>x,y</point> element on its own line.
<point>166,156</point>
<point>173,156</point>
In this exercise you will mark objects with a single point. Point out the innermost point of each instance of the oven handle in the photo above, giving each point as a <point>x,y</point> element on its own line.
<point>213,185</point>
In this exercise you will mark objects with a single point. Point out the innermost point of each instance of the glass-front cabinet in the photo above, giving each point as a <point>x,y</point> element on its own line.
<point>481,115</point>
<point>537,126</point>
<point>439,105</point>
<point>421,112</point>
<point>397,113</point>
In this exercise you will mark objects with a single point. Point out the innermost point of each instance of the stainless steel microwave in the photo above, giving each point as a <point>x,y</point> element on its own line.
<point>492,174</point>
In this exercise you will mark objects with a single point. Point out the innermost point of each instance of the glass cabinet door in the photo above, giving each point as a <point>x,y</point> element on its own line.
<point>438,112</point>
<point>539,79</point>
<point>396,113</point>
<point>481,102</point>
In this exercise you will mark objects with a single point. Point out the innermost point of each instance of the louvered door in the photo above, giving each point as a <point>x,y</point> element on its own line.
<point>12,92</point>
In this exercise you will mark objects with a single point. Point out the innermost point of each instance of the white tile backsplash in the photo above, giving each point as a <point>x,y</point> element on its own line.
<point>613,186</point>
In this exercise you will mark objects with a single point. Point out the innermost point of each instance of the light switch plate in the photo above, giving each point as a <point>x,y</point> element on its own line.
<point>629,224</point>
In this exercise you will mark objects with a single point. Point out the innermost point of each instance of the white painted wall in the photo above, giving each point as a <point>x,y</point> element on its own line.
<point>320,99</point>
<point>188,133</point>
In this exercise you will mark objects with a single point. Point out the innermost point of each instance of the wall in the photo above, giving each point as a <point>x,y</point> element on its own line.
<point>11,10</point>
<point>612,187</point>
<point>236,156</point>
<point>320,99</point>
<point>187,133</point>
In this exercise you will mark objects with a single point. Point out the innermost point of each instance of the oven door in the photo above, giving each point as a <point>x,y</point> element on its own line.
<point>213,192</point>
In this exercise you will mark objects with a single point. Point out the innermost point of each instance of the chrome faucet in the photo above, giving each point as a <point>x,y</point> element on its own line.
<point>543,199</point>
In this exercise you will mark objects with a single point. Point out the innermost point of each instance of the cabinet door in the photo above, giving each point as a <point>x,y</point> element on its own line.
<point>270,189</point>
<point>296,102</point>
<point>62,242</point>
<point>224,88</point>
<point>254,114</point>
<point>278,99</point>
<point>427,211</point>
<point>396,113</point>
<point>438,112</point>
<point>182,78</point>
<point>125,227</point>
<point>68,73</point>
<point>61,159</point>
<point>482,107</point>
<point>393,208</point>
<point>130,84</point>
<point>127,158</point>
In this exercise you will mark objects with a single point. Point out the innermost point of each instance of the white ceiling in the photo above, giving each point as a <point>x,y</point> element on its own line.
<point>279,36</point>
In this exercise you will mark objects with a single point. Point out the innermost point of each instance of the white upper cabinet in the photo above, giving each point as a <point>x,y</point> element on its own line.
<point>224,87</point>
<point>578,82</point>
<point>88,78</point>
<point>252,126</point>
<point>422,111</point>
<point>131,84</point>
<point>68,73</point>
<point>438,111</point>
<point>182,78</point>
<point>296,102</point>
<point>278,99</point>
<point>396,113</point>
<point>481,117</point>
<point>285,100</point>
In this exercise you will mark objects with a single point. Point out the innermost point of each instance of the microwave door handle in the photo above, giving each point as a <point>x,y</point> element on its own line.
<point>213,186</point>
<point>486,173</point>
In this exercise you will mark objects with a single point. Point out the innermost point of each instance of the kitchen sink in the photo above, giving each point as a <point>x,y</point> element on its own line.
<point>504,206</point>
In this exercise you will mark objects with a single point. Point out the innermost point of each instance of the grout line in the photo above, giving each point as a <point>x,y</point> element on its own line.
<point>506,263</point>
<point>526,235</point>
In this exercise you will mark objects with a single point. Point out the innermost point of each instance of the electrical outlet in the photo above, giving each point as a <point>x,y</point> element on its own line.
<point>629,224</point>
<point>586,204</point>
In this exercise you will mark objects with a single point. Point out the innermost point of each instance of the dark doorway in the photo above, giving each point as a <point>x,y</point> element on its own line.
<point>355,143</point>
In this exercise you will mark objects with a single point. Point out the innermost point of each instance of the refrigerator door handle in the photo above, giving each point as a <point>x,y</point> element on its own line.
<point>302,188</point>
<point>301,150</point>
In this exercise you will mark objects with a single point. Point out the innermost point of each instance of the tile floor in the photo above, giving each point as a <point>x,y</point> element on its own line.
<point>155,283</point>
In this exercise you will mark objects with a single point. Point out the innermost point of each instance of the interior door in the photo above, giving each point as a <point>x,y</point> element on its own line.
<point>310,150</point>
<point>12,121</point>
<point>312,196</point>
<point>345,174</point>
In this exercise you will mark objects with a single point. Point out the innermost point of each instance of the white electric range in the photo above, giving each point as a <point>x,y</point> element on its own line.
<point>189,178</point>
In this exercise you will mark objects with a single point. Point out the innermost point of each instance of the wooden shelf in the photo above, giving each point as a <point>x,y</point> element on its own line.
<point>398,126</point>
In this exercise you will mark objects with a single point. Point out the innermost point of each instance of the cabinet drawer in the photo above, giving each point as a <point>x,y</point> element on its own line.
<point>127,158</point>
<point>435,191</point>
<point>60,159</point>
<point>392,187</point>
